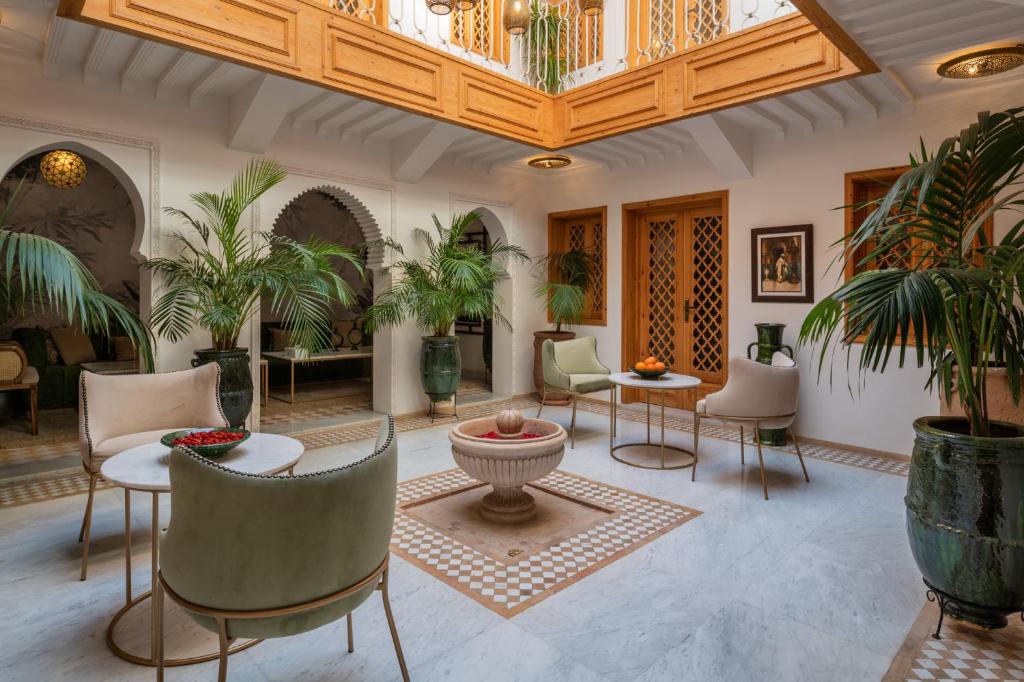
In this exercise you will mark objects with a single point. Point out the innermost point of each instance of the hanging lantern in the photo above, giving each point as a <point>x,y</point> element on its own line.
<point>466,5</point>
<point>591,7</point>
<point>516,17</point>
<point>63,169</point>
<point>441,7</point>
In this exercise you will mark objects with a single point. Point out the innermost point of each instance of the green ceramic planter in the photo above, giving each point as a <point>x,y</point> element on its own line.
<point>965,516</point>
<point>235,381</point>
<point>769,340</point>
<point>440,367</point>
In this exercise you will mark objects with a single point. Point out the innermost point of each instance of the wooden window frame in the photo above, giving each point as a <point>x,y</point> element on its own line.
<point>853,182</point>
<point>558,239</point>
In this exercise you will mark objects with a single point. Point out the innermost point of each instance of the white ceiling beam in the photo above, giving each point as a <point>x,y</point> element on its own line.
<point>53,46</point>
<point>626,156</point>
<point>637,144</point>
<point>94,58</point>
<point>314,109</point>
<point>726,145</point>
<point>907,19</point>
<point>258,110</point>
<point>672,143</point>
<point>207,82</point>
<point>943,36</point>
<point>866,9</point>
<point>173,75</point>
<point>481,158</point>
<point>131,75</point>
<point>775,124</point>
<point>950,17</point>
<point>859,98</point>
<point>833,112</point>
<point>347,113</point>
<point>802,120</point>
<point>357,131</point>
<point>416,152</point>
<point>396,128</point>
<point>1019,3</point>
<point>466,156</point>
<point>492,162</point>
<point>588,154</point>
<point>471,144</point>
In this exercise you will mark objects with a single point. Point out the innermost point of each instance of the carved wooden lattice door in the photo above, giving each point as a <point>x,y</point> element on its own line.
<point>681,299</point>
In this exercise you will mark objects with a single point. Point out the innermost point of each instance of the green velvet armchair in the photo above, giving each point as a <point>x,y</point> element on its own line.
<point>253,557</point>
<point>572,367</point>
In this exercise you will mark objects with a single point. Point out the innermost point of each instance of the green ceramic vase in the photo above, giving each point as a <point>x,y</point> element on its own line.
<point>769,341</point>
<point>235,381</point>
<point>440,367</point>
<point>965,516</point>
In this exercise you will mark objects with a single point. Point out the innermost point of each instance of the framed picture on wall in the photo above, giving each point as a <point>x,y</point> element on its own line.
<point>782,264</point>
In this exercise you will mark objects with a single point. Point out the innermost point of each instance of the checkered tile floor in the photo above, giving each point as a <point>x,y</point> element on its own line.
<point>510,589</point>
<point>963,653</point>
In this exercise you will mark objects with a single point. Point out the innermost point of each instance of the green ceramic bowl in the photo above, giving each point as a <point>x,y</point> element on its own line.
<point>649,373</point>
<point>208,451</point>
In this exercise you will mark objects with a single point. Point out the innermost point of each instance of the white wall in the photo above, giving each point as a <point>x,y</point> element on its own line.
<point>797,180</point>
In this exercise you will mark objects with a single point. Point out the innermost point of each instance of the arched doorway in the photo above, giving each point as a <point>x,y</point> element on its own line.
<point>336,385</point>
<point>101,221</point>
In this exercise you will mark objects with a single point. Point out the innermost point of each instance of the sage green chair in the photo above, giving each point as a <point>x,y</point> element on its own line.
<point>572,367</point>
<point>252,557</point>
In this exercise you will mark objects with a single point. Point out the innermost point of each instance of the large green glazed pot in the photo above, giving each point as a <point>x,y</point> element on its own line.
<point>965,516</point>
<point>769,341</point>
<point>440,367</point>
<point>235,381</point>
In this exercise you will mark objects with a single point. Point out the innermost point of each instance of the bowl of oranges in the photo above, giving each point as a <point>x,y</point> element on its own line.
<point>650,368</point>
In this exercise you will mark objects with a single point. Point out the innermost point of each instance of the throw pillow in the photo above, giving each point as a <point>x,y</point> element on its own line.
<point>278,339</point>
<point>74,346</point>
<point>124,349</point>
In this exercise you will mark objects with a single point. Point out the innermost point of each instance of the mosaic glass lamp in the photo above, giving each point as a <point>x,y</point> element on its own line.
<point>515,17</point>
<point>441,7</point>
<point>983,63</point>
<point>63,169</point>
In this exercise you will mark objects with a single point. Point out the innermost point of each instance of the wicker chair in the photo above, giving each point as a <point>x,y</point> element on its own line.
<point>17,375</point>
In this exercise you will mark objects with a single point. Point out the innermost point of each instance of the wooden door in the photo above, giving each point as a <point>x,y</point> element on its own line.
<point>675,303</point>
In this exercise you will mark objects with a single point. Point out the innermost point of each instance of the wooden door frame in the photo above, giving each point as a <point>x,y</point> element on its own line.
<point>630,267</point>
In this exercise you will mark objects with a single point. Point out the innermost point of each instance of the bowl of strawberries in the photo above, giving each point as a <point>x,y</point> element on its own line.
<point>650,368</point>
<point>210,443</point>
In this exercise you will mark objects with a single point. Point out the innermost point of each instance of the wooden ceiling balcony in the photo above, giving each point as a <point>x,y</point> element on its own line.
<point>308,40</point>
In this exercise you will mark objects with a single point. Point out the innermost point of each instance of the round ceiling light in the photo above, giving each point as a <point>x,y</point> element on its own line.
<point>63,169</point>
<point>549,161</point>
<point>515,17</point>
<point>441,7</point>
<point>983,63</point>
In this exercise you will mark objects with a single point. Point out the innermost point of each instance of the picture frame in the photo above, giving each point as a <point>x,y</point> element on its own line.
<point>782,264</point>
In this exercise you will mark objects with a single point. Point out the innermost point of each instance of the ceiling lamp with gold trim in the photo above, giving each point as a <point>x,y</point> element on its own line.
<point>63,169</point>
<point>983,63</point>
<point>549,161</point>
<point>466,5</point>
<point>515,17</point>
<point>441,7</point>
<point>591,7</point>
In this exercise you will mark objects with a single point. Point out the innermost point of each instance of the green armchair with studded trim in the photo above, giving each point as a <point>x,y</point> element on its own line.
<point>253,557</point>
<point>572,367</point>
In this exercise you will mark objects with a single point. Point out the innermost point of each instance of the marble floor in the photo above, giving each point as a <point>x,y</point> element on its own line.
<point>815,584</point>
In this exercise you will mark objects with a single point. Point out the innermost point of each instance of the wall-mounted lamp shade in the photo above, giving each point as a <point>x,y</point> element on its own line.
<point>983,63</point>
<point>591,7</point>
<point>440,6</point>
<point>63,169</point>
<point>515,17</point>
<point>549,161</point>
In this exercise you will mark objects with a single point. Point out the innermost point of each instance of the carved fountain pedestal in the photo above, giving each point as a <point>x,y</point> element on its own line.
<point>518,452</point>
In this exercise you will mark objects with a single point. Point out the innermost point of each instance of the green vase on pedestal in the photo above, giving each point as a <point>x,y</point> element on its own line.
<point>440,367</point>
<point>769,342</point>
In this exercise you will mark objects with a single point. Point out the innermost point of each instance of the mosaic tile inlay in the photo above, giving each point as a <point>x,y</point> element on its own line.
<point>510,588</point>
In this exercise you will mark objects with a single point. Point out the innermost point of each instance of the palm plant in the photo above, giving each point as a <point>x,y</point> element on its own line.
<point>218,282</point>
<point>569,275</point>
<point>545,48</point>
<point>455,280</point>
<point>38,273</point>
<point>956,303</point>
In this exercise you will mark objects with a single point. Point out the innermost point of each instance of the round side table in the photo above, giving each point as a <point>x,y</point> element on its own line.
<point>144,469</point>
<point>670,456</point>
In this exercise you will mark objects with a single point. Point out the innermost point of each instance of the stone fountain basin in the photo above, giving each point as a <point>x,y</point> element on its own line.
<point>507,463</point>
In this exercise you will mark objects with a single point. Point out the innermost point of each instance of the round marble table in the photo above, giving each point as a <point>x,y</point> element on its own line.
<point>144,468</point>
<point>669,456</point>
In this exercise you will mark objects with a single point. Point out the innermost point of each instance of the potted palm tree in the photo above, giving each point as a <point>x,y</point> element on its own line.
<point>567,276</point>
<point>216,282</point>
<point>955,305</point>
<point>39,273</point>
<point>455,280</point>
<point>544,46</point>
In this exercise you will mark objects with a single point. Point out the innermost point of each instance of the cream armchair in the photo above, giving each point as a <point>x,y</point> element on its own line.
<point>119,412</point>
<point>763,396</point>
<point>572,367</point>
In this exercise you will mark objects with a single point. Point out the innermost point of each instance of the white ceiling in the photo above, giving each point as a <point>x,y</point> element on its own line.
<point>907,38</point>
